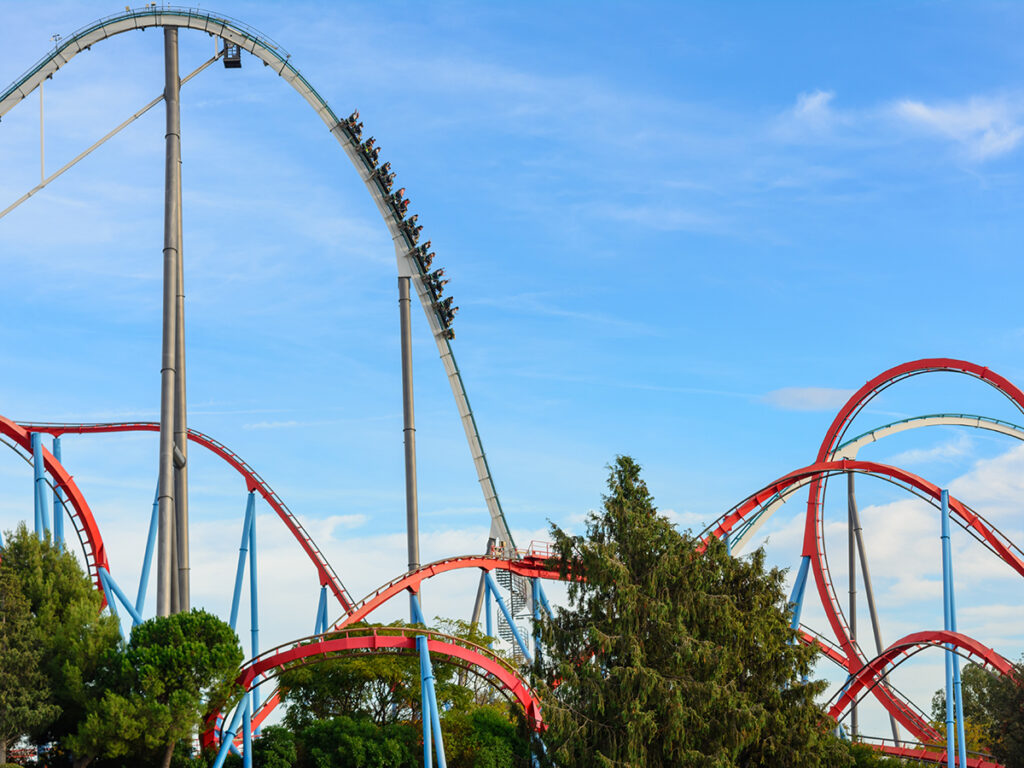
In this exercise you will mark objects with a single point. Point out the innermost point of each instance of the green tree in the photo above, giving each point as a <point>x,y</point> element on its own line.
<point>383,686</point>
<point>173,673</point>
<point>357,742</point>
<point>74,636</point>
<point>24,690</point>
<point>672,656</point>
<point>275,748</point>
<point>484,737</point>
<point>993,713</point>
<point>1007,730</point>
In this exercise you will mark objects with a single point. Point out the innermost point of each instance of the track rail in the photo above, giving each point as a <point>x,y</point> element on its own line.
<point>404,232</point>
<point>338,643</point>
<point>814,545</point>
<point>868,676</point>
<point>254,482</point>
<point>86,528</point>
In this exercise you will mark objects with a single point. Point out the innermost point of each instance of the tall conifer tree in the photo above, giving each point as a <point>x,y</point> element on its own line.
<point>669,656</point>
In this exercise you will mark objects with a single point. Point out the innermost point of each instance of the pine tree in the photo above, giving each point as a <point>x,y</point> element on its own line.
<point>24,690</point>
<point>672,656</point>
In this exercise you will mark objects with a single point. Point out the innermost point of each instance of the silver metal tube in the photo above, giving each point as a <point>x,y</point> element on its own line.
<point>182,574</point>
<point>478,604</point>
<point>165,552</point>
<point>42,139</point>
<point>852,552</point>
<point>409,425</point>
<point>99,143</point>
<point>869,592</point>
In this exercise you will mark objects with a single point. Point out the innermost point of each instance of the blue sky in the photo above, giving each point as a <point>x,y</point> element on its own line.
<point>682,232</point>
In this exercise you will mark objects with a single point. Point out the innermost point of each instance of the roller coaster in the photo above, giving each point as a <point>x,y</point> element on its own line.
<point>518,589</point>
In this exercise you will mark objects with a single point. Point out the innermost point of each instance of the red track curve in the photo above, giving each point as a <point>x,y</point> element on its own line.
<point>814,542</point>
<point>83,520</point>
<point>253,482</point>
<point>529,566</point>
<point>468,655</point>
<point>900,708</point>
<point>880,666</point>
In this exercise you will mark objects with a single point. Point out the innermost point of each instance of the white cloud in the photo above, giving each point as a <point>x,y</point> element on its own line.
<point>948,451</point>
<point>984,127</point>
<point>811,116</point>
<point>807,398</point>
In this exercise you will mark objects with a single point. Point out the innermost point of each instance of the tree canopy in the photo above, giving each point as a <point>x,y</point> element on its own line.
<point>671,656</point>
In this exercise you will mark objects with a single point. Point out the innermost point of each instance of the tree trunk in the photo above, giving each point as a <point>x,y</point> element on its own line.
<point>81,762</point>
<point>165,762</point>
<point>3,751</point>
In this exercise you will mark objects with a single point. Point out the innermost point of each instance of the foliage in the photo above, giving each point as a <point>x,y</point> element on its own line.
<point>75,637</point>
<point>275,748</point>
<point>484,737</point>
<point>993,713</point>
<point>866,757</point>
<point>384,687</point>
<point>174,671</point>
<point>1007,730</point>
<point>24,689</point>
<point>668,655</point>
<point>357,742</point>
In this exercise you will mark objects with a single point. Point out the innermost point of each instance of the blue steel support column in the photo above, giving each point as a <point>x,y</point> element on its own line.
<point>421,646</point>
<point>247,733</point>
<point>944,497</point>
<point>321,612</point>
<point>544,600</point>
<point>58,504</point>
<point>954,700</point>
<point>508,618</point>
<point>147,560</point>
<point>489,614</point>
<point>796,598</point>
<point>39,485</point>
<point>536,616</point>
<point>228,736</point>
<point>254,610</point>
<point>112,590</point>
<point>428,696</point>
<point>250,508</point>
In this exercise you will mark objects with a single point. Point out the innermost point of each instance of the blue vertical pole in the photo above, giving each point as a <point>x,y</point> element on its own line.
<point>544,600</point>
<point>488,614</point>
<point>796,598</point>
<point>39,484</point>
<point>536,617</point>
<point>247,733</point>
<point>254,612</point>
<point>508,618</point>
<point>227,737</point>
<point>947,623</point>
<point>952,660</point>
<point>421,646</point>
<point>147,560</point>
<point>250,508</point>
<point>58,504</point>
<point>321,612</point>
<point>728,544</point>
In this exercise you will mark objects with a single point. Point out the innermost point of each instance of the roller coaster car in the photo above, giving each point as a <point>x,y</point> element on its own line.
<point>448,333</point>
<point>385,177</point>
<point>232,56</point>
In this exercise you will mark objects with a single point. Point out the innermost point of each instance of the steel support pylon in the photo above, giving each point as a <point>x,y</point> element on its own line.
<point>409,426</point>
<point>166,557</point>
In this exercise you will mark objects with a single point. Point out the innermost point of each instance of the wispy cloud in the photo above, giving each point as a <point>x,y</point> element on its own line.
<point>807,398</point>
<point>983,127</point>
<point>948,451</point>
<point>812,115</point>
